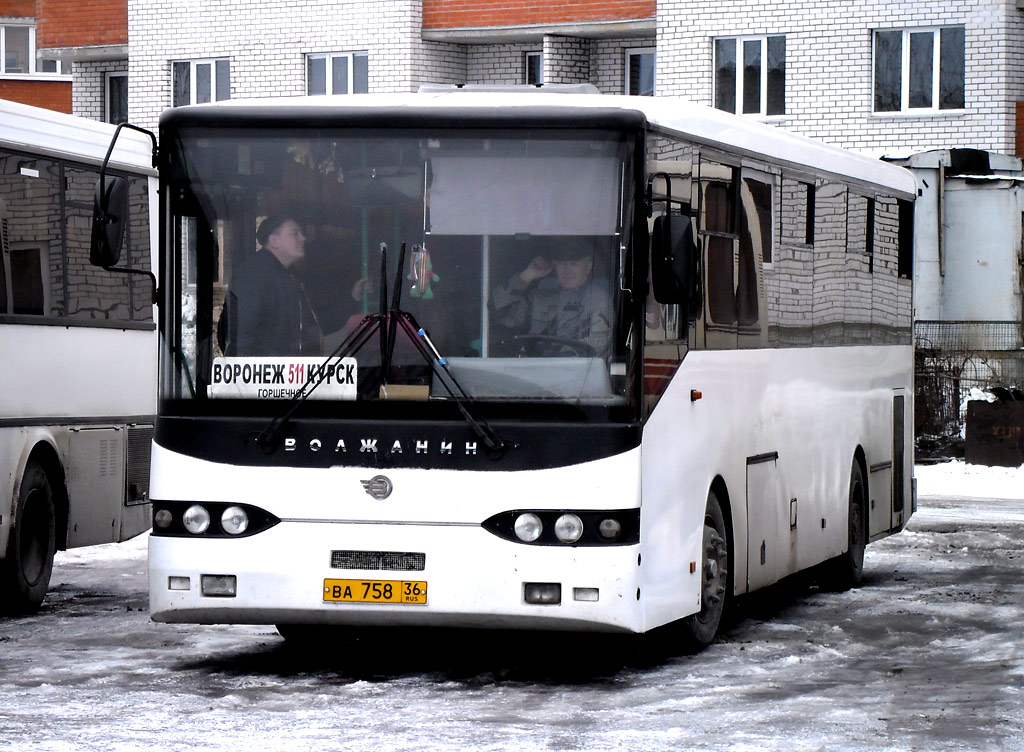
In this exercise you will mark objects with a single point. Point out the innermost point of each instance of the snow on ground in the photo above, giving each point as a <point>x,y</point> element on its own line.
<point>927,655</point>
<point>960,480</point>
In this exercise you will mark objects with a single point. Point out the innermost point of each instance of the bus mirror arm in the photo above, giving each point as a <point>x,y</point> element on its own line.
<point>110,213</point>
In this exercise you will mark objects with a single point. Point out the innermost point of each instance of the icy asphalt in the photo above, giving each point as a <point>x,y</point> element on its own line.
<point>927,655</point>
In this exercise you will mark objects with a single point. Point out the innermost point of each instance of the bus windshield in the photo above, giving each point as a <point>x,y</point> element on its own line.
<point>286,244</point>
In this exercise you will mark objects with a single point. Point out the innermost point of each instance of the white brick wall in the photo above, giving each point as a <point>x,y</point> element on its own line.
<point>88,86</point>
<point>829,66</point>
<point>267,41</point>
<point>828,58</point>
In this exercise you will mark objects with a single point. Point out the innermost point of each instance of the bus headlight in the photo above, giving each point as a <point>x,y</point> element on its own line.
<point>196,519</point>
<point>528,527</point>
<point>234,521</point>
<point>568,528</point>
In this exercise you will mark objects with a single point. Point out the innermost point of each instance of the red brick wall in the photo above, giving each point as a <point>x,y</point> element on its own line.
<point>17,8</point>
<point>1020,130</point>
<point>454,14</point>
<point>80,23</point>
<point>53,95</point>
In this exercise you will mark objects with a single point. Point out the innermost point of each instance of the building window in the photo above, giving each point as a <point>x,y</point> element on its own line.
<point>18,53</point>
<point>750,75</point>
<point>640,71</point>
<point>919,70</point>
<point>200,81</point>
<point>338,73</point>
<point>533,71</point>
<point>116,107</point>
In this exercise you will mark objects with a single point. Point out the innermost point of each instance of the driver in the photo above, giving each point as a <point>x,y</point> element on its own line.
<point>558,296</point>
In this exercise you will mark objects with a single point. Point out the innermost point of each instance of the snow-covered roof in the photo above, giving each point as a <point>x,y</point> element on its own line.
<point>699,123</point>
<point>44,131</point>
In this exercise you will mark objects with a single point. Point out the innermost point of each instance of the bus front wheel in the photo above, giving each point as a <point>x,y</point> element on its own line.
<point>25,572</point>
<point>699,630</point>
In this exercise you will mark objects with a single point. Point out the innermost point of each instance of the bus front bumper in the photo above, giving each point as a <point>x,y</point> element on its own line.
<point>292,574</point>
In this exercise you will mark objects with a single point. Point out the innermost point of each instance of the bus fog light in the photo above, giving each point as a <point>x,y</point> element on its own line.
<point>196,519</point>
<point>610,529</point>
<point>179,583</point>
<point>219,585</point>
<point>234,521</point>
<point>528,527</point>
<point>542,593</point>
<point>163,518</point>
<point>590,594</point>
<point>568,528</point>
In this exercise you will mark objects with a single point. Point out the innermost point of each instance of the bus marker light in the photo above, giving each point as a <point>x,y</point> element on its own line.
<point>695,394</point>
<point>610,528</point>
<point>528,527</point>
<point>219,585</point>
<point>693,567</point>
<point>568,528</point>
<point>234,521</point>
<point>179,583</point>
<point>196,519</point>
<point>590,594</point>
<point>542,593</point>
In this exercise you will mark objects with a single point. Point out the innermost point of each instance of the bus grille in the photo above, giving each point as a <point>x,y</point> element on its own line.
<point>389,560</point>
<point>139,446</point>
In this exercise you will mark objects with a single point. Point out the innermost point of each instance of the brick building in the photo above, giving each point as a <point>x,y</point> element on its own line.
<point>285,48</point>
<point>28,74</point>
<point>91,38</point>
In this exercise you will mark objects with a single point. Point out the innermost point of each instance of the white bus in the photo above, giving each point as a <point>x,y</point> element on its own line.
<point>730,405</point>
<point>78,348</point>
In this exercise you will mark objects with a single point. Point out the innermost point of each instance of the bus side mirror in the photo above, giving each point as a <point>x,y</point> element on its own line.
<point>110,209</point>
<point>674,261</point>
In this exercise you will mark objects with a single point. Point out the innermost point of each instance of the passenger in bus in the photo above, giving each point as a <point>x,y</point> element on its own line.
<point>557,295</point>
<point>267,311</point>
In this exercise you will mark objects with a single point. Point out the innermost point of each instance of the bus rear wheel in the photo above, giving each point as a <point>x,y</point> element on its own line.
<point>847,570</point>
<point>699,630</point>
<point>25,572</point>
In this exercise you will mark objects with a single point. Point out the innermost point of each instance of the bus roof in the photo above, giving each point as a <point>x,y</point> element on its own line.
<point>698,123</point>
<point>56,134</point>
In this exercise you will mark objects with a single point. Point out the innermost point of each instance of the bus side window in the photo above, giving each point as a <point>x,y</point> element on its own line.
<point>718,205</point>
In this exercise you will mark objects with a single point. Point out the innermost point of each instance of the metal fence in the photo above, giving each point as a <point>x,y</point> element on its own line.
<point>954,357</point>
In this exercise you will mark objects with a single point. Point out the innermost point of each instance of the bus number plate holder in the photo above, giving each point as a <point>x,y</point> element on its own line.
<point>395,592</point>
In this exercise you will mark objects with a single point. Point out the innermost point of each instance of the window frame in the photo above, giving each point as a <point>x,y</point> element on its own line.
<point>33,64</point>
<point>737,108</point>
<point>529,55</point>
<point>630,52</point>
<point>107,77</point>
<point>214,92</point>
<point>329,58</point>
<point>905,72</point>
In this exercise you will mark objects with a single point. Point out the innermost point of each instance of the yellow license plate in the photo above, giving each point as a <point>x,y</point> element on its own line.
<point>400,592</point>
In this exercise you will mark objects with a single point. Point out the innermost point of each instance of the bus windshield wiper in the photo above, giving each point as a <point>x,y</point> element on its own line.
<point>386,324</point>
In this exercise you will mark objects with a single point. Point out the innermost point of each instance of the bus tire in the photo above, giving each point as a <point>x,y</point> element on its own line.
<point>25,572</point>
<point>847,570</point>
<point>699,630</point>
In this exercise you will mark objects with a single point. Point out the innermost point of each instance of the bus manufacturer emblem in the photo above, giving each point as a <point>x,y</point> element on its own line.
<point>379,486</point>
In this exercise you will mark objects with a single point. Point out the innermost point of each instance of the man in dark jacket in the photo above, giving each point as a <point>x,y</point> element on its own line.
<point>267,311</point>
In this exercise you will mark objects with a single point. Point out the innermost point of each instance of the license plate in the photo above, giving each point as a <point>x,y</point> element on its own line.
<point>400,592</point>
